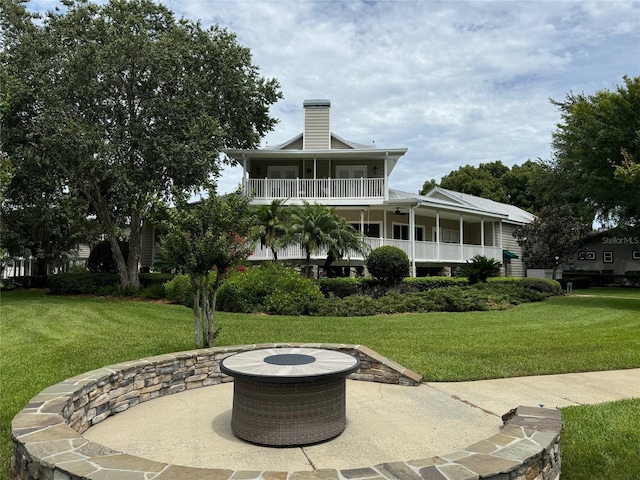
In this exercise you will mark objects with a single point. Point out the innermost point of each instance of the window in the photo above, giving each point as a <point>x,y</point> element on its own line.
<point>586,255</point>
<point>351,171</point>
<point>401,232</point>
<point>447,235</point>
<point>607,257</point>
<point>282,172</point>
<point>370,229</point>
<point>635,254</point>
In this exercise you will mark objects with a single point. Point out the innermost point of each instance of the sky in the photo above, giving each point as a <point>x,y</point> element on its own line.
<point>456,82</point>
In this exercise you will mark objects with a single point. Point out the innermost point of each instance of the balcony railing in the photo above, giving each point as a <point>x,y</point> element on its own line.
<point>309,189</point>
<point>424,251</point>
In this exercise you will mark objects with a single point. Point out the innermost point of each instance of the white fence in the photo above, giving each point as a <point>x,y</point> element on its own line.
<point>424,251</point>
<point>326,188</point>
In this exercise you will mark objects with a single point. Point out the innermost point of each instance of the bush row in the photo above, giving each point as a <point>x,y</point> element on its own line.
<point>98,283</point>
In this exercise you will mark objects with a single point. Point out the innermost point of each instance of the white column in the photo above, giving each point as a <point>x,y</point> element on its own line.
<point>461,239</point>
<point>412,239</point>
<point>437,235</point>
<point>362,222</point>
<point>482,234</point>
<point>386,178</point>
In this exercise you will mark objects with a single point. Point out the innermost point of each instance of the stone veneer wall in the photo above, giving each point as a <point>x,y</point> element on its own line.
<point>48,442</point>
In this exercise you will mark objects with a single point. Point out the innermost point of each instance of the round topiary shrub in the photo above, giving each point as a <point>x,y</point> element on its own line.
<point>389,265</point>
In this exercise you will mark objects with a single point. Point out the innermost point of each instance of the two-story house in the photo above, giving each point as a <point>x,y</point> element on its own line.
<point>438,231</point>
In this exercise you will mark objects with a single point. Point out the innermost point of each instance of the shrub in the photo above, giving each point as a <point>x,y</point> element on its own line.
<point>178,290</point>
<point>422,284</point>
<point>353,306</point>
<point>116,290</point>
<point>101,259</point>
<point>154,292</point>
<point>341,287</point>
<point>389,265</point>
<point>544,285</point>
<point>259,289</point>
<point>80,283</point>
<point>479,269</point>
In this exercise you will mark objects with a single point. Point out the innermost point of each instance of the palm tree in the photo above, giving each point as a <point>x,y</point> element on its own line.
<point>272,219</point>
<point>346,240</point>
<point>310,226</point>
<point>316,227</point>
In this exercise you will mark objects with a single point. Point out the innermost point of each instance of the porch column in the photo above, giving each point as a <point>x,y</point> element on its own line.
<point>437,235</point>
<point>500,240</point>
<point>362,222</point>
<point>245,190</point>
<point>386,177</point>
<point>461,239</point>
<point>482,234</point>
<point>412,239</point>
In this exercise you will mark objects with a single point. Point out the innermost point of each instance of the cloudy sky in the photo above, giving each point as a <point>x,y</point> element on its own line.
<point>455,82</point>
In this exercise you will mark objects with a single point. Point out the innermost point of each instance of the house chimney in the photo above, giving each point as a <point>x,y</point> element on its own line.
<point>316,135</point>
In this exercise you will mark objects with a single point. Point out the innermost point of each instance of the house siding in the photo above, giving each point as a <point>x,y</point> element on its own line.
<point>316,128</point>
<point>515,266</point>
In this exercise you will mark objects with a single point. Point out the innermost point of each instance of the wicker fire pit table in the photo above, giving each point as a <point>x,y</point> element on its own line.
<point>288,396</point>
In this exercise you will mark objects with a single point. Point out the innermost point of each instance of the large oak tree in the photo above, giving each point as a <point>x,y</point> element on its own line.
<point>596,151</point>
<point>120,103</point>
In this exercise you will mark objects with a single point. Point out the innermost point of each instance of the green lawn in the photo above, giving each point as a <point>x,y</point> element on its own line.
<point>45,339</point>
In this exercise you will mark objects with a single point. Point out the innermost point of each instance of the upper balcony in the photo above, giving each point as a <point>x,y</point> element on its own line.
<point>326,190</point>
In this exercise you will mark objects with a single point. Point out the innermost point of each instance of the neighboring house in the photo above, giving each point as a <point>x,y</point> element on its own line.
<point>608,253</point>
<point>438,231</point>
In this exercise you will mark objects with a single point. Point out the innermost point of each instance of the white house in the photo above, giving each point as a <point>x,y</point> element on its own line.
<point>438,231</point>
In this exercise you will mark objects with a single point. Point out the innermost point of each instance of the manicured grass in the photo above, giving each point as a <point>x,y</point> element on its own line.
<point>601,441</point>
<point>45,339</point>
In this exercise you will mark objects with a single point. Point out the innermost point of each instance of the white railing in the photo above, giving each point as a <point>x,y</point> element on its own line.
<point>325,188</point>
<point>424,251</point>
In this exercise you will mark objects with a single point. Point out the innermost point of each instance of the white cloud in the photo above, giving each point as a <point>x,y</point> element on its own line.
<point>455,82</point>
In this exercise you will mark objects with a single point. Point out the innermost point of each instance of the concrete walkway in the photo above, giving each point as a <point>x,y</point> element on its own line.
<point>385,422</point>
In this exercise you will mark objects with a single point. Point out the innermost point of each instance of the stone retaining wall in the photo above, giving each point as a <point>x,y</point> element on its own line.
<point>48,442</point>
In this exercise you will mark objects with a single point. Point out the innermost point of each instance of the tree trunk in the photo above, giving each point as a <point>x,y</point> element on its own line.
<point>197,313</point>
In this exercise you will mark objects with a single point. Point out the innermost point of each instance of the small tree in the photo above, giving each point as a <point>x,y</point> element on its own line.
<point>551,239</point>
<point>389,265</point>
<point>479,269</point>
<point>206,240</point>
<point>271,219</point>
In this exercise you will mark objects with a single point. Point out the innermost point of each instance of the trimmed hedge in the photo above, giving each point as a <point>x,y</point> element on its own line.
<point>544,285</point>
<point>81,283</point>
<point>97,283</point>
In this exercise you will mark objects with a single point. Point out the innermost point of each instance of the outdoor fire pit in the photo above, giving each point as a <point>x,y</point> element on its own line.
<point>289,396</point>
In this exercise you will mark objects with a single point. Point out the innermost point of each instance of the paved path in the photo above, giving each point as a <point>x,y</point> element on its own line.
<point>384,422</point>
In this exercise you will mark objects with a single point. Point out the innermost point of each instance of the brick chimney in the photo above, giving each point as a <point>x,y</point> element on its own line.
<point>316,135</point>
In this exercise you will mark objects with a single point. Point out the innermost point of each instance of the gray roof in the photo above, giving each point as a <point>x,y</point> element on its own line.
<point>463,201</point>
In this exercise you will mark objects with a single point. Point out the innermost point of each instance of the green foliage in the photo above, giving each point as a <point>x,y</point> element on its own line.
<point>316,227</point>
<point>153,292</point>
<point>519,186</point>
<point>269,288</point>
<point>543,285</point>
<point>101,257</point>
<point>457,298</point>
<point>596,151</point>
<point>389,265</point>
<point>552,238</point>
<point>422,284</point>
<point>80,283</point>
<point>206,240</point>
<point>272,220</point>
<point>341,287</point>
<point>351,306</point>
<point>122,103</point>
<point>479,269</point>
<point>178,290</point>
